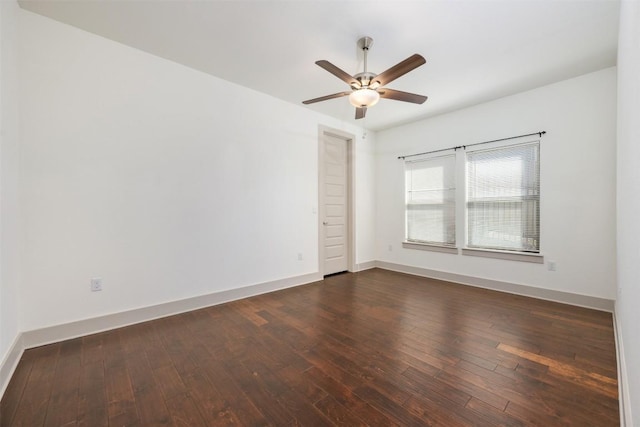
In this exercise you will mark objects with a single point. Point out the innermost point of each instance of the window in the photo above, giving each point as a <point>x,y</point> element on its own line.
<point>430,199</point>
<point>503,198</point>
<point>491,192</point>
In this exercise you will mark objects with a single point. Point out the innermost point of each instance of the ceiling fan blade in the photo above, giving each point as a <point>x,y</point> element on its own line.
<point>360,112</point>
<point>401,96</point>
<point>400,69</point>
<point>324,98</point>
<point>342,75</point>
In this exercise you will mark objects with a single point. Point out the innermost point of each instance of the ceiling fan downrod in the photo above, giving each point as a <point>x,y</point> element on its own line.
<point>365,77</point>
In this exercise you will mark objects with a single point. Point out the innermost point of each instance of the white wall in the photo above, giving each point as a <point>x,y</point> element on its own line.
<point>166,182</point>
<point>365,184</point>
<point>627,313</point>
<point>9,206</point>
<point>577,183</point>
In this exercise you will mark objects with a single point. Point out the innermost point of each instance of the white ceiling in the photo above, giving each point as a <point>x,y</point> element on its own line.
<point>476,50</point>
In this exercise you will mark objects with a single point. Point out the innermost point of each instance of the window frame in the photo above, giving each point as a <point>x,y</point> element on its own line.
<point>432,245</point>
<point>467,226</point>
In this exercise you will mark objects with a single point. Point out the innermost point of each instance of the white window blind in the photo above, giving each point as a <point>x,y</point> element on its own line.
<point>503,198</point>
<point>431,206</point>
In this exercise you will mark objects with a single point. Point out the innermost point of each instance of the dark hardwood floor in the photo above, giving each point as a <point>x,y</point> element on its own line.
<point>373,348</point>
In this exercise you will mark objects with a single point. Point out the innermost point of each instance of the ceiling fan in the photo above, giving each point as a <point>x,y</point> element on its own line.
<point>366,87</point>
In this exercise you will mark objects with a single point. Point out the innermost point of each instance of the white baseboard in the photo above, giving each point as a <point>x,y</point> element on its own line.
<point>10,363</point>
<point>596,303</point>
<point>365,266</point>
<point>57,333</point>
<point>624,400</point>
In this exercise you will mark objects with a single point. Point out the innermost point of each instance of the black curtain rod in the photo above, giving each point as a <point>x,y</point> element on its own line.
<point>471,145</point>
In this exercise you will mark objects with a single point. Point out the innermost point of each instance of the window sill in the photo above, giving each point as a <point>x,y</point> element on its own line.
<point>428,247</point>
<point>511,256</point>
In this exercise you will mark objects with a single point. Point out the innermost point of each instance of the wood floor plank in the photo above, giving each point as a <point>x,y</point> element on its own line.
<point>92,400</point>
<point>594,381</point>
<point>121,407</point>
<point>387,406</point>
<point>235,398</point>
<point>10,401</point>
<point>473,389</point>
<point>258,394</point>
<point>338,414</point>
<point>430,413</point>
<point>491,415</point>
<point>212,405</point>
<point>375,348</point>
<point>32,409</point>
<point>148,397</point>
<point>185,412</point>
<point>428,385</point>
<point>588,405</point>
<point>63,401</point>
<point>536,418</point>
<point>331,379</point>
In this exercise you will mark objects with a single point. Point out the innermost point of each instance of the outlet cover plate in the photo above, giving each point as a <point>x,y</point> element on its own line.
<point>96,284</point>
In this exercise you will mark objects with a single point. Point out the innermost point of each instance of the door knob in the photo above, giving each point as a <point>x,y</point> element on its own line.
<point>325,222</point>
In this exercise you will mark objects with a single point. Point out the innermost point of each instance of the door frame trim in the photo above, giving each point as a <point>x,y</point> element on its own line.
<point>350,220</point>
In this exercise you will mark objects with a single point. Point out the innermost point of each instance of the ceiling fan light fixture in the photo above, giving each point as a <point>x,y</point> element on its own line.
<point>364,98</point>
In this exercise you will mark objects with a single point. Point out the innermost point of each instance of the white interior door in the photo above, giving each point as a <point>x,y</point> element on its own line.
<point>335,204</point>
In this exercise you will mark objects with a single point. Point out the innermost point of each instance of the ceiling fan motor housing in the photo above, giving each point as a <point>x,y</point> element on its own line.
<point>365,79</point>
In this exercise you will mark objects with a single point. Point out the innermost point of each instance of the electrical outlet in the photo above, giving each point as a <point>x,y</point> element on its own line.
<point>299,256</point>
<point>96,284</point>
<point>551,265</point>
<point>390,248</point>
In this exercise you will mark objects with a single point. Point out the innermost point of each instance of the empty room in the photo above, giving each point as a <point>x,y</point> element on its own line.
<point>319,213</point>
